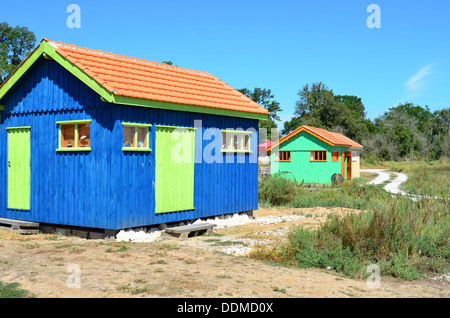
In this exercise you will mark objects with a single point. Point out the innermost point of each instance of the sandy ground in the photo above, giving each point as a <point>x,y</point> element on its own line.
<point>60,266</point>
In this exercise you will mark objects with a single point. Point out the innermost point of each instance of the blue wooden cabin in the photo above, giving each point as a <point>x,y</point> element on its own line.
<point>86,140</point>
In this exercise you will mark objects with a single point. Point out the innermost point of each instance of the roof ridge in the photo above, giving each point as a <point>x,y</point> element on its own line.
<point>127,58</point>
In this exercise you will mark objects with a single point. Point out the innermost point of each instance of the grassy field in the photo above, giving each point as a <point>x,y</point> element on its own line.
<point>430,178</point>
<point>407,239</point>
<point>12,290</point>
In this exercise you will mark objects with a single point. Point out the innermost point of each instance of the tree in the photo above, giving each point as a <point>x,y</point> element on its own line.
<point>265,98</point>
<point>354,103</point>
<point>167,62</point>
<point>291,125</point>
<point>422,115</point>
<point>15,44</point>
<point>319,107</point>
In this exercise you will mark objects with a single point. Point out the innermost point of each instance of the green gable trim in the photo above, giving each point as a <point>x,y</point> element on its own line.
<point>77,72</point>
<point>17,74</point>
<point>49,52</point>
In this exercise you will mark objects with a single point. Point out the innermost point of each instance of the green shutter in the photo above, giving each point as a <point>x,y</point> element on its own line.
<point>19,168</point>
<point>174,169</point>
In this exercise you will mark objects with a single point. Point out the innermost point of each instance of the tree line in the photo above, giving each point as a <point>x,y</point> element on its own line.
<point>400,132</point>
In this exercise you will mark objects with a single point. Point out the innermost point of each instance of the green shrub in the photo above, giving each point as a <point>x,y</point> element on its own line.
<point>407,239</point>
<point>276,190</point>
<point>12,290</point>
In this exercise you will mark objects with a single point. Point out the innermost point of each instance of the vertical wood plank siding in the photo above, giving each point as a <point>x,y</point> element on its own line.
<point>107,187</point>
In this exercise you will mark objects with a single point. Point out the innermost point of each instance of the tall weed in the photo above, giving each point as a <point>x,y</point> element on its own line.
<point>407,239</point>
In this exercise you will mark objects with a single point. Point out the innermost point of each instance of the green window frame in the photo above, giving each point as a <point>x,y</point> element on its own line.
<point>136,136</point>
<point>236,141</point>
<point>76,146</point>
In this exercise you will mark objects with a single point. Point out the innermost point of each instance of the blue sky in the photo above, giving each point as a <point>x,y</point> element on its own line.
<point>280,45</point>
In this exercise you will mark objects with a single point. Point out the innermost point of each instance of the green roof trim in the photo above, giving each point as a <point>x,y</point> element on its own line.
<point>46,50</point>
<point>17,74</point>
<point>123,100</point>
<point>77,72</point>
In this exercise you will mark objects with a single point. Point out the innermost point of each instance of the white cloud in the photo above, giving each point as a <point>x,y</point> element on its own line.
<point>417,81</point>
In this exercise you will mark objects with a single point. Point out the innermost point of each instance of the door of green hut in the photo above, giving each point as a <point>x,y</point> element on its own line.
<point>174,169</point>
<point>18,168</point>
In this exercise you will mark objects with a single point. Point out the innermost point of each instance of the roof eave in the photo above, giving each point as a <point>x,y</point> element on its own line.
<point>124,100</point>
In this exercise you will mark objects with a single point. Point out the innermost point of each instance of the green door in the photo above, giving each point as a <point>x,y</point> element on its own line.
<point>19,168</point>
<point>174,169</point>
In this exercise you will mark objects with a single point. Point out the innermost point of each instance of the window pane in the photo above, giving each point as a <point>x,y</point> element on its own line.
<point>224,140</point>
<point>246,142</point>
<point>68,136</point>
<point>236,142</point>
<point>142,137</point>
<point>84,135</point>
<point>227,141</point>
<point>128,136</point>
<point>335,155</point>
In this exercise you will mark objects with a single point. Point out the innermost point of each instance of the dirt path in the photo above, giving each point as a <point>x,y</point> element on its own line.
<point>384,175</point>
<point>394,185</point>
<point>204,266</point>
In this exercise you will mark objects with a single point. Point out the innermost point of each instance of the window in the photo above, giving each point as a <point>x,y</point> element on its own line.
<point>135,137</point>
<point>335,156</point>
<point>235,141</point>
<point>354,156</point>
<point>74,135</point>
<point>318,156</point>
<point>283,156</point>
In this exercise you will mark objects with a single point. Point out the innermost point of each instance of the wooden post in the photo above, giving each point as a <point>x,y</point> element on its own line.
<point>343,164</point>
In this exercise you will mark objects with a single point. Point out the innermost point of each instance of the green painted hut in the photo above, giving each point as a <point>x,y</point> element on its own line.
<point>314,155</point>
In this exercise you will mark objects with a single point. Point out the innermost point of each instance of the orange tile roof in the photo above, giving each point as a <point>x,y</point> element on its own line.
<point>139,78</point>
<point>332,138</point>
